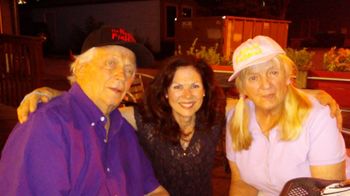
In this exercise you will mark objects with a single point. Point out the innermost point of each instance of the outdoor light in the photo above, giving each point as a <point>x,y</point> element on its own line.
<point>21,2</point>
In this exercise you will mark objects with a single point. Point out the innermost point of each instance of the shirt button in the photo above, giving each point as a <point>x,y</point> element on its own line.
<point>184,153</point>
<point>102,118</point>
<point>92,124</point>
<point>108,170</point>
<point>105,140</point>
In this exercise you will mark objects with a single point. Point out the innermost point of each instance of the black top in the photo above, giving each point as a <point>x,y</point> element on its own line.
<point>181,172</point>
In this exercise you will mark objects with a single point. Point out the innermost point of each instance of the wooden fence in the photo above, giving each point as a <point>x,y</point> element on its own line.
<point>21,66</point>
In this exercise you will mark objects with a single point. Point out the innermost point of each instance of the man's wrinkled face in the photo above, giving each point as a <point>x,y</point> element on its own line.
<point>109,76</point>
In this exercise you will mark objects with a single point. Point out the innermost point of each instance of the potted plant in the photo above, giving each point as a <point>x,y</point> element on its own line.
<point>303,60</point>
<point>220,65</point>
<point>335,79</point>
<point>209,54</point>
<point>337,59</point>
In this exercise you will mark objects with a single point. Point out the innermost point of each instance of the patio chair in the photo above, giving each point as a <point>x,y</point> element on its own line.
<point>137,89</point>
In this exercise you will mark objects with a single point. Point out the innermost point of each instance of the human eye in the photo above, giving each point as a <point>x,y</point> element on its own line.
<point>129,71</point>
<point>195,85</point>
<point>252,78</point>
<point>110,64</point>
<point>177,87</point>
<point>274,72</point>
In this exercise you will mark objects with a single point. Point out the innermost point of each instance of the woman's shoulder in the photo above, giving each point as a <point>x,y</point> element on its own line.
<point>320,118</point>
<point>318,108</point>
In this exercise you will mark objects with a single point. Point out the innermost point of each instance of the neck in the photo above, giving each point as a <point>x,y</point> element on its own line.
<point>267,119</point>
<point>105,108</point>
<point>185,123</point>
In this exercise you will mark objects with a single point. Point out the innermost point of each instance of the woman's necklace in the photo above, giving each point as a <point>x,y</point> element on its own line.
<point>184,143</point>
<point>187,130</point>
<point>185,138</point>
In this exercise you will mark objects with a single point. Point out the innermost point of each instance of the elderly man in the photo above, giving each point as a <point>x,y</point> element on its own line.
<point>71,146</point>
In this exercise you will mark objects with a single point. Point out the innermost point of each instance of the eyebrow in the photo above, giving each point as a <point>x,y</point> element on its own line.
<point>197,82</point>
<point>131,66</point>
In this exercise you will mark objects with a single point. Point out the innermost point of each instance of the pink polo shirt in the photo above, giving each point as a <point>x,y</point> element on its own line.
<point>269,163</point>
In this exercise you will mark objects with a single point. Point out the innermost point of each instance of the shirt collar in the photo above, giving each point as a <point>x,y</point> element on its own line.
<point>92,112</point>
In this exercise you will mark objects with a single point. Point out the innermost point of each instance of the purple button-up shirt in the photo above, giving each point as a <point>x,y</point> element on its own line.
<point>63,149</point>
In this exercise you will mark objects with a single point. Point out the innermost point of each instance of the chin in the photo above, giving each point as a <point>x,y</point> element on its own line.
<point>187,113</point>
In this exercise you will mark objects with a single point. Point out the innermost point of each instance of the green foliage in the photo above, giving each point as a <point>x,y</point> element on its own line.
<point>210,55</point>
<point>302,58</point>
<point>337,59</point>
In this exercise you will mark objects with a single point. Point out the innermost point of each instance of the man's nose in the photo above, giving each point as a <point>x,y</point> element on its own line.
<point>119,74</point>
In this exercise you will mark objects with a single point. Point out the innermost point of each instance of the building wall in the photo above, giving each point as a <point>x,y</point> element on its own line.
<point>6,17</point>
<point>142,18</point>
<point>310,18</point>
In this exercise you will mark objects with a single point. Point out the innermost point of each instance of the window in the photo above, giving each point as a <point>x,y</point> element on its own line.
<point>171,14</point>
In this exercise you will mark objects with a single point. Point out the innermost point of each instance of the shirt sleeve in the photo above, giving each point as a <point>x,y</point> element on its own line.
<point>33,160</point>
<point>149,179</point>
<point>326,142</point>
<point>230,153</point>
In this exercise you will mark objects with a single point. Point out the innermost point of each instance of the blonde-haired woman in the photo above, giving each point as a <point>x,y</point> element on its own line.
<point>276,132</point>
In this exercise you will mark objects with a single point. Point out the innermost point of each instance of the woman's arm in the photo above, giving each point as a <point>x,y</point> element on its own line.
<point>327,150</point>
<point>45,94</point>
<point>128,114</point>
<point>329,172</point>
<point>238,186</point>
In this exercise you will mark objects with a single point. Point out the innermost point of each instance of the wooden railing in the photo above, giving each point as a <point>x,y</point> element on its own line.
<point>21,66</point>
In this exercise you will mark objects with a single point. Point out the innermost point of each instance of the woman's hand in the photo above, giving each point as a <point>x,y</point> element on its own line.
<point>31,100</point>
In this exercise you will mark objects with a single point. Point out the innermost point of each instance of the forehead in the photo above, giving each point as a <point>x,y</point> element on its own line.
<point>117,51</point>
<point>263,67</point>
<point>188,72</point>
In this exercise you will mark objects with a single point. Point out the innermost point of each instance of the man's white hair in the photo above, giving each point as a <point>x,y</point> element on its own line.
<point>79,62</point>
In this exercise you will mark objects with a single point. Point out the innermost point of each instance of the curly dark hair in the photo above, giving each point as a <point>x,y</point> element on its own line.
<point>155,108</point>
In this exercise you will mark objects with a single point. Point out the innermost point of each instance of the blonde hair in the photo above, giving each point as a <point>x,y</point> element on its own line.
<point>296,108</point>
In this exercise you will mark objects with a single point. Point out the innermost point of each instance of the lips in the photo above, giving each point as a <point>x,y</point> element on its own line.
<point>268,96</point>
<point>187,104</point>
<point>116,90</point>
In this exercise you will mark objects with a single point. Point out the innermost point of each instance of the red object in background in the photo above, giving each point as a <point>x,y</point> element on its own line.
<point>222,68</point>
<point>337,84</point>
